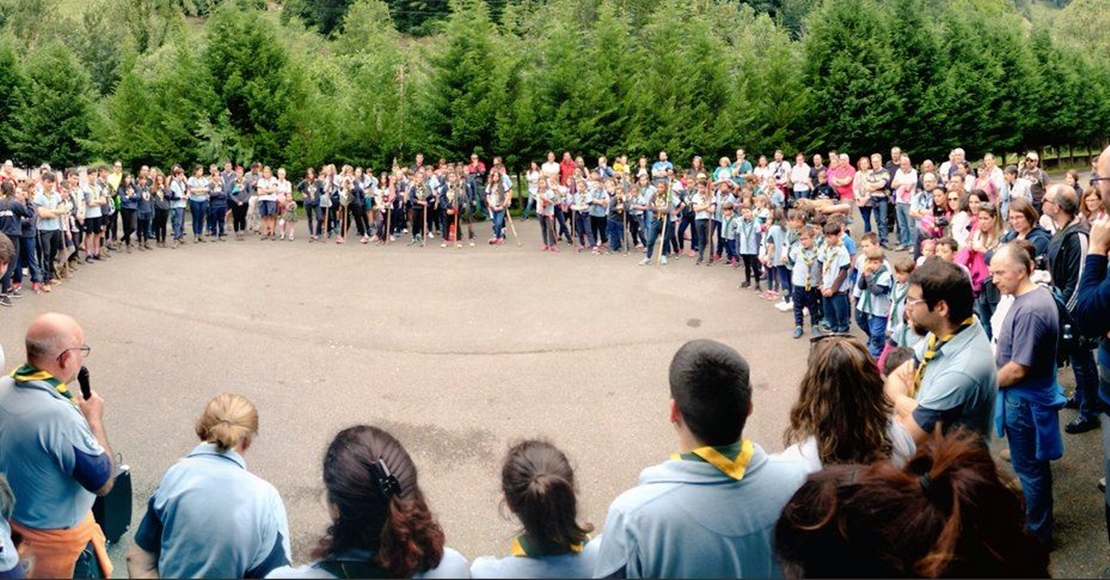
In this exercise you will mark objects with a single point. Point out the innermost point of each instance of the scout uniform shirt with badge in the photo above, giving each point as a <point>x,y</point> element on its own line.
<point>956,381</point>
<point>535,560</point>
<point>706,514</point>
<point>834,259</point>
<point>52,461</point>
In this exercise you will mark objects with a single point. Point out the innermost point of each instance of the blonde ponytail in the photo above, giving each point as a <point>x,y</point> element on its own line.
<point>228,420</point>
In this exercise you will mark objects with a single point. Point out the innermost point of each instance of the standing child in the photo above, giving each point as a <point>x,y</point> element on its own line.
<point>702,204</point>
<point>289,217</point>
<point>778,283</point>
<point>731,221</point>
<point>835,262</point>
<point>747,244</point>
<point>618,205</point>
<point>873,306</point>
<point>805,277</point>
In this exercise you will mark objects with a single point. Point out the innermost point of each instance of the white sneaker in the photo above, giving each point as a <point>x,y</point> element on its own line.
<point>663,260</point>
<point>784,306</point>
<point>645,262</point>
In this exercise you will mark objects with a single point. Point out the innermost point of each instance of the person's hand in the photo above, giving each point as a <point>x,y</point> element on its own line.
<point>1100,237</point>
<point>92,408</point>
<point>826,292</point>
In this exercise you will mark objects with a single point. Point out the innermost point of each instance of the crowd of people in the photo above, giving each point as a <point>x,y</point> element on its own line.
<point>966,334</point>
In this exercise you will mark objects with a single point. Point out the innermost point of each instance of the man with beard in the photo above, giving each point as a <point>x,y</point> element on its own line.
<point>953,381</point>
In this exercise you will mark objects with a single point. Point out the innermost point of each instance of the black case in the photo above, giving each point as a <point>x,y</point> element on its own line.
<point>113,511</point>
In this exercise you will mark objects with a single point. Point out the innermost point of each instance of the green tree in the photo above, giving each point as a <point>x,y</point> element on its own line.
<point>854,100</point>
<point>53,123</point>
<point>253,78</point>
<point>459,113</point>
<point>12,87</point>
<point>102,42</point>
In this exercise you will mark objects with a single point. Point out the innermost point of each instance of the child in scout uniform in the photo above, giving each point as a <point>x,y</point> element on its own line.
<point>709,511</point>
<point>747,244</point>
<point>835,262</point>
<point>873,306</point>
<point>805,277</point>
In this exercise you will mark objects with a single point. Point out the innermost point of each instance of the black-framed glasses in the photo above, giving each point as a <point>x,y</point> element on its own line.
<point>85,350</point>
<point>1097,179</point>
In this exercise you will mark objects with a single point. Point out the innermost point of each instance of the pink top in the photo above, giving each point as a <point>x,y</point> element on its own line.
<point>839,172</point>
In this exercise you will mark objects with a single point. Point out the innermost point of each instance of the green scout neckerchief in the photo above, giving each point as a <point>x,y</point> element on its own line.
<point>732,460</point>
<point>29,372</point>
<point>526,547</point>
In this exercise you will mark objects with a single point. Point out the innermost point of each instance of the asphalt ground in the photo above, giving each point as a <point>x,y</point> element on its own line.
<point>457,352</point>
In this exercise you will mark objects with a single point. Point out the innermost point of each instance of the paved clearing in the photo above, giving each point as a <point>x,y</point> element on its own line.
<point>457,352</point>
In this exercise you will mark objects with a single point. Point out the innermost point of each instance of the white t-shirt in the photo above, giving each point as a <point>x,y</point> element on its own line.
<point>265,184</point>
<point>902,449</point>
<point>453,565</point>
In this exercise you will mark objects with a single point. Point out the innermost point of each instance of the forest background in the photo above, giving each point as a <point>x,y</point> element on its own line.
<point>301,83</point>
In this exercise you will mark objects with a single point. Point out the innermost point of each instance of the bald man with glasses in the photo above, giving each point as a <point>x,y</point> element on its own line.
<point>55,454</point>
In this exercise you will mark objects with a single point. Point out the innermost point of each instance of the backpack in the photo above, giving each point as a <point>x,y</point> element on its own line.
<point>1069,341</point>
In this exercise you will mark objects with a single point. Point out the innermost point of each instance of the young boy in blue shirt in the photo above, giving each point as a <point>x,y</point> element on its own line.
<point>835,263</point>
<point>805,277</point>
<point>873,305</point>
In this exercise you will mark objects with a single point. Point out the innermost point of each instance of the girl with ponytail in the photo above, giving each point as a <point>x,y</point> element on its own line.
<point>539,489</point>
<point>945,514</point>
<point>210,517</point>
<point>381,525</point>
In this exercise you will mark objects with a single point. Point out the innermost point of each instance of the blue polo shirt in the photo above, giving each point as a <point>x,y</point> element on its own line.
<point>687,519</point>
<point>50,456</point>
<point>960,384</point>
<point>211,518</point>
<point>571,565</point>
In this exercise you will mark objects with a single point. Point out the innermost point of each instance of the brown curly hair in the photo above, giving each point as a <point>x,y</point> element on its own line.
<point>398,528</point>
<point>842,404</point>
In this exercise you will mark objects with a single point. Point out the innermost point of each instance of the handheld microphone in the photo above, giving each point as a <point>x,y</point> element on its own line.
<point>83,379</point>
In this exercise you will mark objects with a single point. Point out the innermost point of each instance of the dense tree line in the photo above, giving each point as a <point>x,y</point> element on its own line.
<point>141,81</point>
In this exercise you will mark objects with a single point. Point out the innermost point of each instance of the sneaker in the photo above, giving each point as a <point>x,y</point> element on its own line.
<point>47,287</point>
<point>798,331</point>
<point>363,239</point>
<point>5,301</point>
<point>663,261</point>
<point>16,292</point>
<point>1082,424</point>
<point>36,288</point>
<point>644,262</point>
<point>443,245</point>
<point>817,331</point>
<point>491,241</point>
<point>1071,403</point>
<point>784,306</point>
<point>552,247</point>
<point>745,284</point>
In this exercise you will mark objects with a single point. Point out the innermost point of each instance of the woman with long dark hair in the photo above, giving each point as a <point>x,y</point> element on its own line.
<point>381,525</point>
<point>539,489</point>
<point>945,514</point>
<point>842,414</point>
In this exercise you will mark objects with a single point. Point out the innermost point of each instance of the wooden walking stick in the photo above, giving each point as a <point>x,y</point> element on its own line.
<point>424,228</point>
<point>512,228</point>
<point>665,198</point>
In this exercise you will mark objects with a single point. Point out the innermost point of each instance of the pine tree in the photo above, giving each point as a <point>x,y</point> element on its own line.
<point>12,87</point>
<point>459,114</point>
<point>53,123</point>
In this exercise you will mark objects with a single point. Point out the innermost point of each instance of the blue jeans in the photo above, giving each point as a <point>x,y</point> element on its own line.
<point>499,224</point>
<point>217,220</point>
<point>880,206</point>
<point>315,219</point>
<point>1086,383</point>
<point>865,215</point>
<point>875,327</point>
<point>615,231</point>
<point>177,218</point>
<point>906,226</point>
<point>654,230</point>
<point>1035,475</point>
<point>837,312</point>
<point>199,211</point>
<point>529,207</point>
<point>28,257</point>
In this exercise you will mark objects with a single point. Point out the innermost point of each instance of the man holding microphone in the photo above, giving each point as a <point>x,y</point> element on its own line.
<point>56,454</point>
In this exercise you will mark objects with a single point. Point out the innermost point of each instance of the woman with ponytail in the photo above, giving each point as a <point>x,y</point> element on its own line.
<point>945,514</point>
<point>539,489</point>
<point>210,517</point>
<point>381,526</point>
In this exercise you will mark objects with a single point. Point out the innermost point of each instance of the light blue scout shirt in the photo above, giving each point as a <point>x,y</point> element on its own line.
<point>568,565</point>
<point>872,303</point>
<point>960,383</point>
<point>51,203</point>
<point>453,565</point>
<point>9,558</point>
<point>689,519</point>
<point>747,237</point>
<point>180,190</point>
<point>776,235</point>
<point>599,194</point>
<point>700,200</point>
<point>834,259</point>
<point>805,272</point>
<point>198,183</point>
<point>92,193</point>
<point>50,456</point>
<point>211,518</point>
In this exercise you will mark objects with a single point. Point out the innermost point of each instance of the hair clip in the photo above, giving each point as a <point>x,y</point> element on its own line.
<point>387,482</point>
